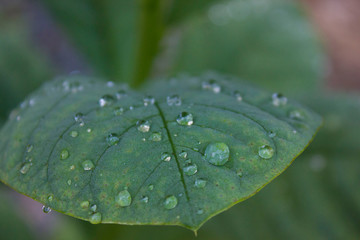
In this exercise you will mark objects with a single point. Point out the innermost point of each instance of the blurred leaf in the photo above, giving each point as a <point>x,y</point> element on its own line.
<point>206,151</point>
<point>268,42</point>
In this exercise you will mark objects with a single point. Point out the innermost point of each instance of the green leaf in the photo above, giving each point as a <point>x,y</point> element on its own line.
<point>92,151</point>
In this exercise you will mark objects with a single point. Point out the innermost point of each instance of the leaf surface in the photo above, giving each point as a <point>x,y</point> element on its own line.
<point>100,152</point>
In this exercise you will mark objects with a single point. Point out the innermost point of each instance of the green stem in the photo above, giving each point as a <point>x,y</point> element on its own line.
<point>151,26</point>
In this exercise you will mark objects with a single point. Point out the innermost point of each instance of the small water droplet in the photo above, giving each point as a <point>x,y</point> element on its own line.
<point>84,204</point>
<point>237,96</point>
<point>112,139</point>
<point>266,151</point>
<point>29,148</point>
<point>149,100</point>
<point>296,114</point>
<point>89,130</point>
<point>72,167</point>
<point>166,157</point>
<point>64,154</point>
<point>79,118</point>
<point>190,169</point>
<point>131,108</point>
<point>50,198</point>
<point>74,134</point>
<point>18,118</point>
<point>88,165</point>
<point>120,94</point>
<point>118,111</point>
<point>217,153</point>
<point>200,211</point>
<point>155,137</point>
<point>106,100</point>
<point>95,218</point>
<point>211,85</point>
<point>93,208</point>
<point>185,119</point>
<point>239,173</point>
<point>200,183</point>
<point>173,100</point>
<point>278,99</point>
<point>272,134</point>
<point>183,154</point>
<point>151,187</point>
<point>123,198</point>
<point>110,84</point>
<point>144,199</point>
<point>143,126</point>
<point>25,168</point>
<point>69,182</point>
<point>46,209</point>
<point>170,202</point>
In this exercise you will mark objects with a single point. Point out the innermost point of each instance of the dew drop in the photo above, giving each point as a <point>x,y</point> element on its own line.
<point>278,99</point>
<point>170,202</point>
<point>25,168</point>
<point>266,151</point>
<point>143,126</point>
<point>46,209</point>
<point>64,154</point>
<point>84,204</point>
<point>190,169</point>
<point>295,114</point>
<point>72,167</point>
<point>29,148</point>
<point>112,139</point>
<point>200,183</point>
<point>239,173</point>
<point>50,198</point>
<point>151,187</point>
<point>200,211</point>
<point>106,100</point>
<point>93,208</point>
<point>173,100</point>
<point>88,165</point>
<point>123,198</point>
<point>144,199</point>
<point>237,96</point>
<point>217,153</point>
<point>95,218</point>
<point>89,130</point>
<point>166,157</point>
<point>69,182</point>
<point>121,94</point>
<point>74,134</point>
<point>118,111</point>
<point>79,118</point>
<point>149,100</point>
<point>185,119</point>
<point>183,154</point>
<point>211,85</point>
<point>272,134</point>
<point>155,137</point>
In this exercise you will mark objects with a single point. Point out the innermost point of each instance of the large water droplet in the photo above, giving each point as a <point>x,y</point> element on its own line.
<point>143,126</point>
<point>170,202</point>
<point>25,168</point>
<point>46,209</point>
<point>155,137</point>
<point>95,218</point>
<point>64,154</point>
<point>84,204</point>
<point>88,165</point>
<point>29,148</point>
<point>266,151</point>
<point>106,100</point>
<point>200,183</point>
<point>185,119</point>
<point>217,153</point>
<point>123,198</point>
<point>166,157</point>
<point>149,100</point>
<point>190,169</point>
<point>173,100</point>
<point>211,85</point>
<point>278,99</point>
<point>112,139</point>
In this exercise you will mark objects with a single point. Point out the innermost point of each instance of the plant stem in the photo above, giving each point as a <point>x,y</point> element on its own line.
<point>151,29</point>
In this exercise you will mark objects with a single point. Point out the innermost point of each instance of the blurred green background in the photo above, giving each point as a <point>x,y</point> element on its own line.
<point>270,43</point>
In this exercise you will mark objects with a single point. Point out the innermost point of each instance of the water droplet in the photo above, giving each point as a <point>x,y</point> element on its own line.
<point>266,151</point>
<point>217,153</point>
<point>211,85</point>
<point>95,218</point>
<point>149,100</point>
<point>237,96</point>
<point>151,187</point>
<point>144,199</point>
<point>239,173</point>
<point>46,209</point>
<point>123,198</point>
<point>143,126</point>
<point>131,108</point>
<point>170,202</point>
<point>166,157</point>
<point>183,154</point>
<point>118,111</point>
<point>93,208</point>
<point>120,94</point>
<point>278,99</point>
<point>84,204</point>
<point>200,211</point>
<point>29,148</point>
<point>110,84</point>
<point>190,169</point>
<point>112,139</point>
<point>88,165</point>
<point>295,114</point>
<point>74,134</point>
<point>79,118</point>
<point>64,154</point>
<point>185,119</point>
<point>173,100</point>
<point>25,168</point>
<point>272,134</point>
<point>89,130</point>
<point>155,137</point>
<point>200,183</point>
<point>69,182</point>
<point>50,198</point>
<point>106,100</point>
<point>72,167</point>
